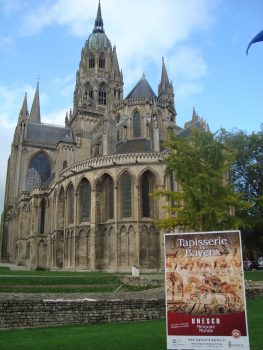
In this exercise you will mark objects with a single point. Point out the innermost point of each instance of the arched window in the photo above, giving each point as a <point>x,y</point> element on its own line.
<point>70,202</point>
<point>91,60</point>
<point>102,94</point>
<point>42,216</point>
<point>102,61</point>
<point>84,200</point>
<point>136,125</point>
<point>65,164</point>
<point>119,135</point>
<point>109,198</point>
<point>146,187</point>
<point>105,199</point>
<point>126,195</point>
<point>88,92</point>
<point>61,209</point>
<point>39,171</point>
<point>145,191</point>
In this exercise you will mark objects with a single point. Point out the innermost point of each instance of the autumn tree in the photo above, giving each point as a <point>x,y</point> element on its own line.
<point>204,199</point>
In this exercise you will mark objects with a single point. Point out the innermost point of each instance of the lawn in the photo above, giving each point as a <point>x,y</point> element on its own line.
<point>19,281</point>
<point>149,335</point>
<point>254,275</point>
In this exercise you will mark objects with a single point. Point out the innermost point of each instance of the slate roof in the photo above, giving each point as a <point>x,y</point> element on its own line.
<point>141,89</point>
<point>48,133</point>
<point>134,146</point>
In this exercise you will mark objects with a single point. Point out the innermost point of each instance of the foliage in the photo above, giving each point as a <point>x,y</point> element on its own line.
<point>247,170</point>
<point>204,199</point>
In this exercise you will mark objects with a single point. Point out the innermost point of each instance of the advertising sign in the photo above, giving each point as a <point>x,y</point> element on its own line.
<point>205,294</point>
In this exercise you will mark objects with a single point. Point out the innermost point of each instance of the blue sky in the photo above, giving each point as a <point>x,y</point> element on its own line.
<point>203,43</point>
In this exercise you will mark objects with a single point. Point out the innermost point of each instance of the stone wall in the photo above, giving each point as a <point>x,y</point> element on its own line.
<point>45,313</point>
<point>31,311</point>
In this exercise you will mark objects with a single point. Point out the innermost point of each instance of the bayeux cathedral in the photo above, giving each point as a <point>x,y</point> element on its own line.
<point>78,196</point>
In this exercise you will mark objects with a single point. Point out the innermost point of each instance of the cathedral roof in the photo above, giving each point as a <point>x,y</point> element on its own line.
<point>48,133</point>
<point>141,89</point>
<point>98,41</point>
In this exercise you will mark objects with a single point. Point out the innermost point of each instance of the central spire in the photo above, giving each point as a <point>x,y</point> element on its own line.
<point>98,25</point>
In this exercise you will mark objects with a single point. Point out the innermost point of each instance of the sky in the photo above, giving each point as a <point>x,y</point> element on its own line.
<point>203,43</point>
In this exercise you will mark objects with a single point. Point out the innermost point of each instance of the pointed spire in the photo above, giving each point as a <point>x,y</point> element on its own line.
<point>194,115</point>
<point>164,78</point>
<point>165,89</point>
<point>98,25</point>
<point>34,116</point>
<point>24,111</point>
<point>115,62</point>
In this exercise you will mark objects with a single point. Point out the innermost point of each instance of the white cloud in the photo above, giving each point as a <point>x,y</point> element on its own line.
<point>65,86</point>
<point>56,117</point>
<point>143,30</point>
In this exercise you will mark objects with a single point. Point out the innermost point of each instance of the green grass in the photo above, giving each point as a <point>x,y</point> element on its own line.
<point>21,281</point>
<point>149,335</point>
<point>57,281</point>
<point>140,336</point>
<point>254,275</point>
<point>255,323</point>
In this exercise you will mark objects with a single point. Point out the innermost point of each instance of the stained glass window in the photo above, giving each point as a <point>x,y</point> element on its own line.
<point>145,196</point>
<point>70,198</point>
<point>102,94</point>
<point>42,217</point>
<point>126,188</point>
<point>85,196</point>
<point>136,125</point>
<point>109,198</point>
<point>102,61</point>
<point>39,171</point>
<point>91,61</point>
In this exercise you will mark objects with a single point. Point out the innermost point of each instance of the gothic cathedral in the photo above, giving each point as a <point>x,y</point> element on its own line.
<point>79,196</point>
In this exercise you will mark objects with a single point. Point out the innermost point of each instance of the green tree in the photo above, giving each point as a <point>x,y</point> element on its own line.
<point>247,178</point>
<point>204,199</point>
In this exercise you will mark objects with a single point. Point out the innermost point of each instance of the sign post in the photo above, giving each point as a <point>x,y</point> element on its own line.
<point>205,293</point>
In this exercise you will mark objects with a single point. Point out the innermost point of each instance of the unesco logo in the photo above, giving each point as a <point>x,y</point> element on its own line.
<point>236,333</point>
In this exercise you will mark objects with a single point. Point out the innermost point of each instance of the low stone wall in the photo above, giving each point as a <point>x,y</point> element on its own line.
<point>30,311</point>
<point>252,293</point>
<point>46,313</point>
<point>142,281</point>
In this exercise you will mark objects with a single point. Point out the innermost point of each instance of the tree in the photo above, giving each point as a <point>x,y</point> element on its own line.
<point>204,199</point>
<point>247,178</point>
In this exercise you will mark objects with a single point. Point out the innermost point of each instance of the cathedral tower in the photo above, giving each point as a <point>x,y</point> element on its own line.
<point>99,81</point>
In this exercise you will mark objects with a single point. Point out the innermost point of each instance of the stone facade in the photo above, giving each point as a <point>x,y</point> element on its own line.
<point>79,196</point>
